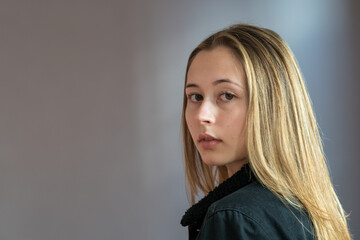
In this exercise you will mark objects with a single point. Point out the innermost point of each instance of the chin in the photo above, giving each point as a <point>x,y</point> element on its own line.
<point>213,158</point>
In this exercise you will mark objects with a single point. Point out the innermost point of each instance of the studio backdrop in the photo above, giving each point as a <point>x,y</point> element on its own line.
<point>91,98</point>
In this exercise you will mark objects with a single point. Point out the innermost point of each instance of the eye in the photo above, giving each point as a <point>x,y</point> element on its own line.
<point>195,97</point>
<point>226,96</point>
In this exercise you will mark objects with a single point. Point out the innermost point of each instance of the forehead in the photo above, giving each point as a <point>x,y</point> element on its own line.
<point>214,64</point>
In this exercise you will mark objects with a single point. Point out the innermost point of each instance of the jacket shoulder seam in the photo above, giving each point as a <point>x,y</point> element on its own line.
<point>241,213</point>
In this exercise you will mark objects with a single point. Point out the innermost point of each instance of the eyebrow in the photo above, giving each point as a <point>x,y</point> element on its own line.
<point>189,85</point>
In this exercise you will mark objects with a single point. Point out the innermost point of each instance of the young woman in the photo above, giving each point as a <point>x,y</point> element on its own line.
<point>252,144</point>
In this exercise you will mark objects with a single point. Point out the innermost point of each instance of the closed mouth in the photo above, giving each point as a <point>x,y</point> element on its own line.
<point>207,138</point>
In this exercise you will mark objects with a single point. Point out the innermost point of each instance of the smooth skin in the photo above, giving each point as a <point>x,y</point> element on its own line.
<point>217,105</point>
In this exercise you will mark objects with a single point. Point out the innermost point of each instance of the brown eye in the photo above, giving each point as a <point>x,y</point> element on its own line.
<point>195,97</point>
<point>227,96</point>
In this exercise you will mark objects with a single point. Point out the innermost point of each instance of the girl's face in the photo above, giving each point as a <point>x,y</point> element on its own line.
<point>217,107</point>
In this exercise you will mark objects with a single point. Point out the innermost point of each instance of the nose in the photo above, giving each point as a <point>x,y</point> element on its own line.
<point>206,114</point>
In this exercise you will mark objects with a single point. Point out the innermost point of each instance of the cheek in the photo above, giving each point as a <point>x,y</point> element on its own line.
<point>230,129</point>
<point>189,121</point>
<point>242,130</point>
<point>237,128</point>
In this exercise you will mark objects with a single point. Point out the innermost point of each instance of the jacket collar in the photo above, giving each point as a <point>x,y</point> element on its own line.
<point>195,215</point>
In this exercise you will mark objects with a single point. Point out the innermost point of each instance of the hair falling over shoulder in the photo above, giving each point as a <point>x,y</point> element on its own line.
<point>283,141</point>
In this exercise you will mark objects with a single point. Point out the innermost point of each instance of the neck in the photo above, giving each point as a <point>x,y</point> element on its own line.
<point>236,166</point>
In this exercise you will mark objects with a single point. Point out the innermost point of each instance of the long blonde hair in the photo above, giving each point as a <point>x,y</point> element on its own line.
<point>283,141</point>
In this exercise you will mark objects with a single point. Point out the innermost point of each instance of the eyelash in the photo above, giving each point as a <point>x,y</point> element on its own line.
<point>230,94</point>
<point>190,96</point>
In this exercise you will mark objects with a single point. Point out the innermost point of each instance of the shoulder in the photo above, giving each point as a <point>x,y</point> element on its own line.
<point>249,200</point>
<point>256,209</point>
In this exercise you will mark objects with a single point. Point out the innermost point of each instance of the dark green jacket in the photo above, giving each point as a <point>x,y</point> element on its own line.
<point>241,208</point>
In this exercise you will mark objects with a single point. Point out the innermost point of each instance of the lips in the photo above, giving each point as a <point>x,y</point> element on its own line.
<point>207,141</point>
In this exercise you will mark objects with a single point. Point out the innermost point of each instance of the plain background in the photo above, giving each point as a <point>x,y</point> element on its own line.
<point>90,107</point>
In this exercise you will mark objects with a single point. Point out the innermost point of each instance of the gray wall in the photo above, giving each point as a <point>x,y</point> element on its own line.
<point>90,106</point>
